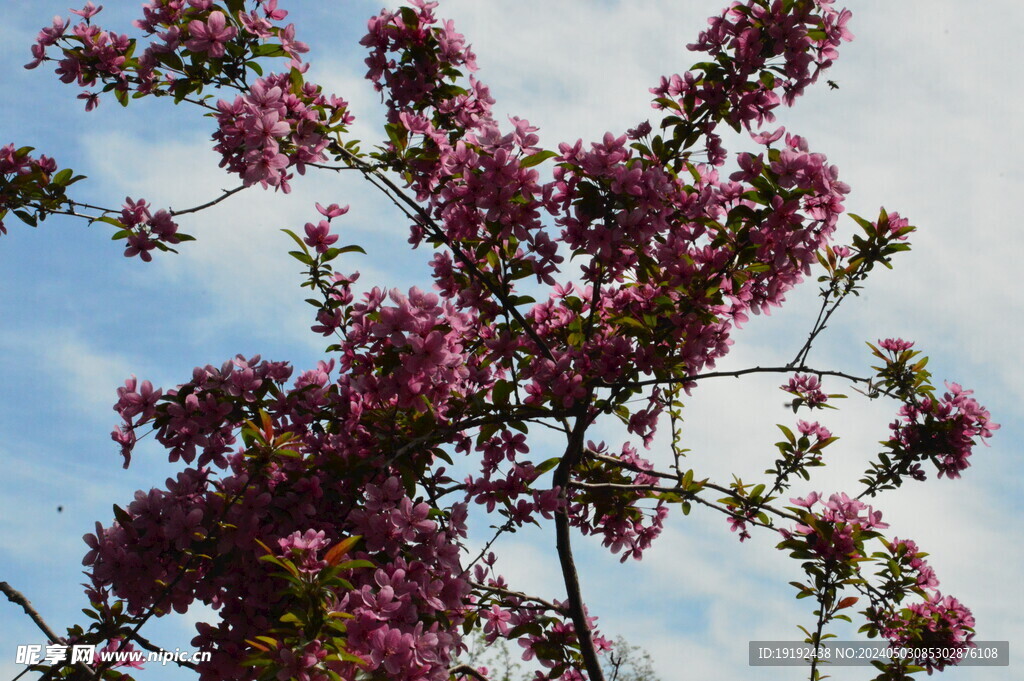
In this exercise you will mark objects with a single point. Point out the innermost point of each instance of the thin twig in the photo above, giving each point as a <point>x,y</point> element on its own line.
<point>675,490</point>
<point>466,670</point>
<point>519,594</point>
<point>226,193</point>
<point>18,598</point>
<point>823,619</point>
<point>138,638</point>
<point>504,528</point>
<point>689,496</point>
<point>741,372</point>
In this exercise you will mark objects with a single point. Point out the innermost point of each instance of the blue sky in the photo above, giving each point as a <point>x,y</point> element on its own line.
<point>926,122</point>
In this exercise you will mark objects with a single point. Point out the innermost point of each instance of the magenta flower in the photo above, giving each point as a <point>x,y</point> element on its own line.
<point>289,44</point>
<point>255,24</point>
<point>319,237</point>
<point>807,388</point>
<point>895,344</point>
<point>332,211</point>
<point>265,166</point>
<point>210,36</point>
<point>272,12</point>
<point>767,138</point>
<point>89,11</point>
<point>92,100</point>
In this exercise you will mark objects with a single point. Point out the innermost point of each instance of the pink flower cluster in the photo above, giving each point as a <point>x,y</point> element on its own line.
<point>303,665</point>
<point>204,528</point>
<point>624,524</point>
<point>410,355</point>
<point>906,553</point>
<point>23,178</point>
<point>895,345</point>
<point>749,44</point>
<point>412,54</point>
<point>273,128</point>
<point>838,528</point>
<point>944,429</point>
<point>815,429</point>
<point>15,163</point>
<point>180,30</point>
<point>476,180</point>
<point>303,549</point>
<point>510,490</point>
<point>98,54</point>
<point>318,236</point>
<point>939,623</point>
<point>807,388</point>
<point>198,417</point>
<point>146,230</point>
<point>549,636</point>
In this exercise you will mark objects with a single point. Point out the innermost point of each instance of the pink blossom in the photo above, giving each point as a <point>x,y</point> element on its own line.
<point>319,237</point>
<point>332,211</point>
<point>89,11</point>
<point>896,345</point>
<point>210,36</point>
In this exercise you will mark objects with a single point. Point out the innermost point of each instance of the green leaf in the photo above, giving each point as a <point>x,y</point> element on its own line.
<point>300,242</point>
<point>111,221</point>
<point>269,50</point>
<point>536,159</point>
<point>865,224</point>
<point>26,217</point>
<point>122,516</point>
<point>63,177</point>
<point>297,81</point>
<point>548,465</point>
<point>788,433</point>
<point>501,392</point>
<point>409,17</point>
<point>235,6</point>
<point>354,564</point>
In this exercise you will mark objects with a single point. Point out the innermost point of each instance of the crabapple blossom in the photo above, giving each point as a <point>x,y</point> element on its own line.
<point>322,512</point>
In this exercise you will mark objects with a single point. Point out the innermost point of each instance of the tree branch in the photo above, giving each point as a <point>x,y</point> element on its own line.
<point>675,490</point>
<point>519,594</point>
<point>691,496</point>
<point>18,598</point>
<point>195,209</point>
<point>137,637</point>
<point>466,670</point>
<point>736,374</point>
<point>563,542</point>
